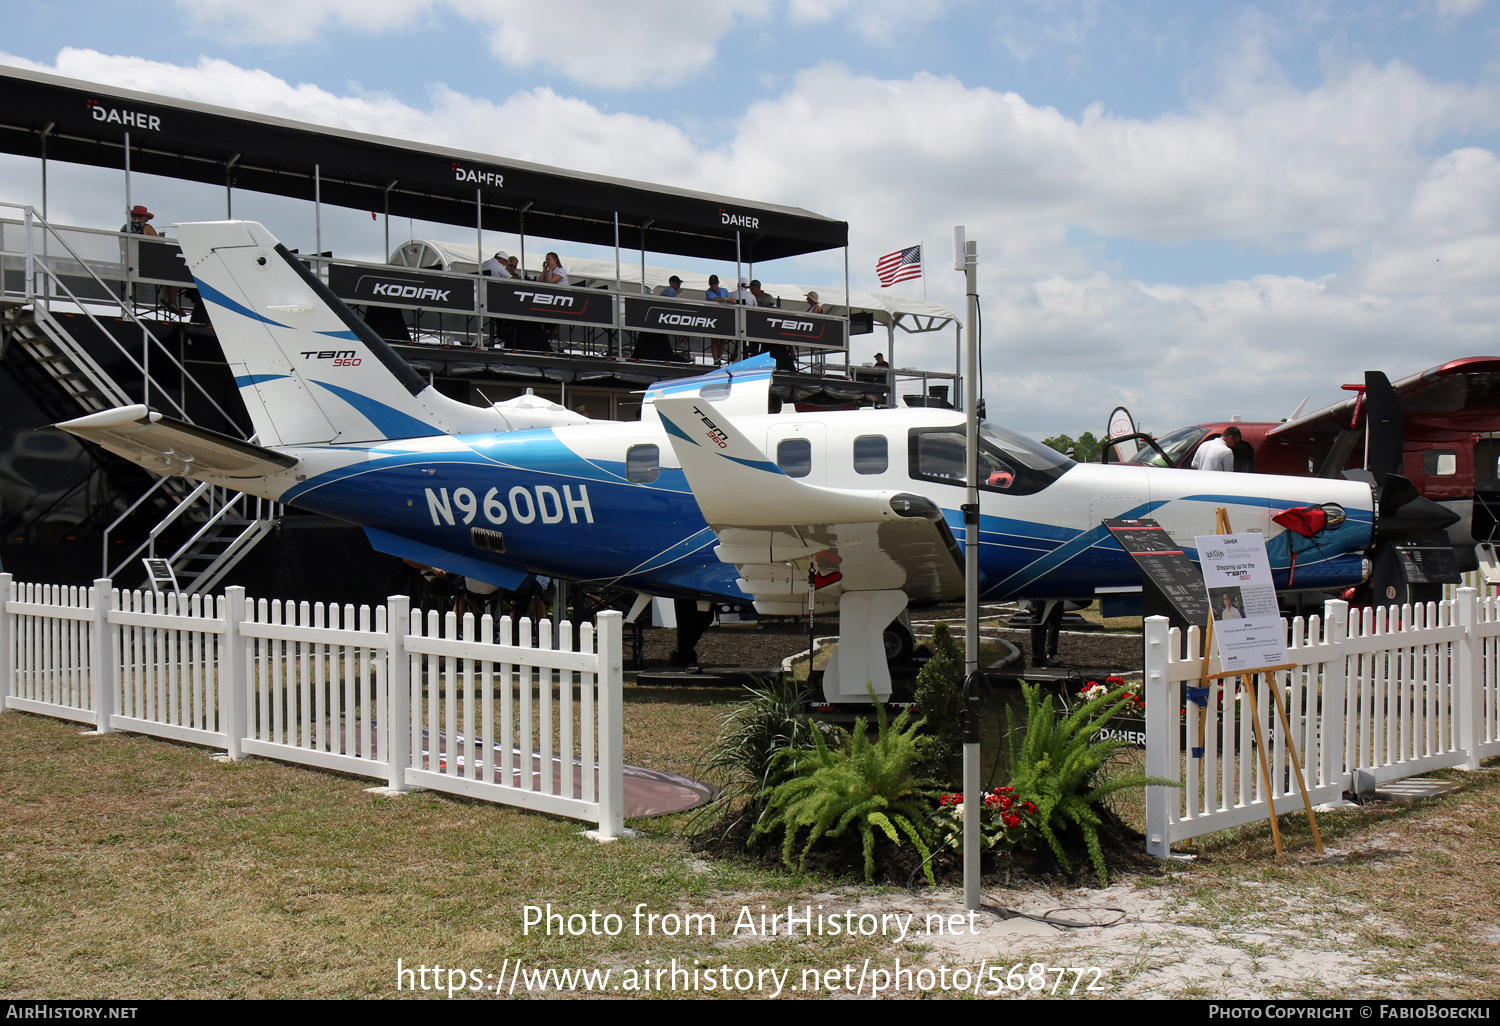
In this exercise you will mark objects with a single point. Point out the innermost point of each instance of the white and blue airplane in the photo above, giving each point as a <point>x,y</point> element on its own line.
<point>710,496</point>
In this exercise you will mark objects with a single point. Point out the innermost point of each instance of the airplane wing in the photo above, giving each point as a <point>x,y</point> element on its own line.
<point>788,537</point>
<point>173,447</point>
<point>1458,396</point>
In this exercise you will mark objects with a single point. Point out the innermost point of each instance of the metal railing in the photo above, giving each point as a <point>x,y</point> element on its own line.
<point>54,273</point>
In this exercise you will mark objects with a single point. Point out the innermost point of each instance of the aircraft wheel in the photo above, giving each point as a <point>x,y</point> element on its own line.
<point>899,642</point>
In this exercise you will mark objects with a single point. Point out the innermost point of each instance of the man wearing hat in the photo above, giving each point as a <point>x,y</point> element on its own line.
<point>497,266</point>
<point>813,306</point>
<point>674,286</point>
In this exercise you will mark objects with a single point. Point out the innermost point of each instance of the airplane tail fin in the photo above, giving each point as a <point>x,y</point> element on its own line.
<point>308,369</point>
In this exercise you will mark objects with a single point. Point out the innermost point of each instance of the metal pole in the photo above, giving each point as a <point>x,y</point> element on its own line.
<point>317,213</point>
<point>127,180</point>
<point>521,224</point>
<point>619,341</point>
<point>229,186</point>
<point>890,370</point>
<point>46,131</point>
<point>739,316</point>
<point>972,807</point>
<point>389,186</point>
<point>30,257</point>
<point>478,229</point>
<point>848,311</point>
<point>958,363</point>
<point>646,224</point>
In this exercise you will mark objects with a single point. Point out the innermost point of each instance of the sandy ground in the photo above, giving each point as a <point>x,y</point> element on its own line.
<point>1129,940</point>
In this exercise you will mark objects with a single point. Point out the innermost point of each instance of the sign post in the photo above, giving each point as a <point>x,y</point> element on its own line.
<point>1250,641</point>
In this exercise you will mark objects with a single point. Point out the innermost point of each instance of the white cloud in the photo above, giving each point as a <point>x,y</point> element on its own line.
<point>1450,11</point>
<point>294,21</point>
<point>595,42</point>
<point>607,43</point>
<point>887,22</point>
<point>1343,167</point>
<point>1036,27</point>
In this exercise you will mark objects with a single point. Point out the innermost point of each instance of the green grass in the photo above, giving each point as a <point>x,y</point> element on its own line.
<point>134,868</point>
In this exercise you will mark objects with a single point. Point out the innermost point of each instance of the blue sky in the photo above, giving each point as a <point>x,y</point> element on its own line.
<point>1194,209</point>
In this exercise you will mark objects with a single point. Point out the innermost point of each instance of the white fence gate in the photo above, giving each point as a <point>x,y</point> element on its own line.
<point>466,706</point>
<point>1396,692</point>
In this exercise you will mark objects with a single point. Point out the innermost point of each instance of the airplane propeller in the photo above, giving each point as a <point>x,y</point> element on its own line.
<point>1405,520</point>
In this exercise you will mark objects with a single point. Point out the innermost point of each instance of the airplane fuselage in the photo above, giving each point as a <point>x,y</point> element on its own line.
<point>607,502</point>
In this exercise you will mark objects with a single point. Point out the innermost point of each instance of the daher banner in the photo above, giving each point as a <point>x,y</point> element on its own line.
<point>548,302</point>
<point>401,287</point>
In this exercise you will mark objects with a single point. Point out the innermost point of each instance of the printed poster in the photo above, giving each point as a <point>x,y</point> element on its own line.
<point>1247,621</point>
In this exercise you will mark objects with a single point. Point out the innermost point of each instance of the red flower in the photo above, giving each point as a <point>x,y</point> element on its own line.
<point>1029,808</point>
<point>1006,803</point>
<point>1012,820</point>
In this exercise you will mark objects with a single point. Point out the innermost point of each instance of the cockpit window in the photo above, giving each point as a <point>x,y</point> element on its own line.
<point>1176,444</point>
<point>1008,462</point>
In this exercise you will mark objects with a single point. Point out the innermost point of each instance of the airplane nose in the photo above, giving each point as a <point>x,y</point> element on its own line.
<point>1413,518</point>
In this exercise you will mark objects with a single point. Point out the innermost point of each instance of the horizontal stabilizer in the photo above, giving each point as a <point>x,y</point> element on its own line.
<point>173,447</point>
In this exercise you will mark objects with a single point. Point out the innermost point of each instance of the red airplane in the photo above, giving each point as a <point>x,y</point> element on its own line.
<point>1438,429</point>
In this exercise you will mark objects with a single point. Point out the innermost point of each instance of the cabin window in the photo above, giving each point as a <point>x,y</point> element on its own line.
<point>1440,462</point>
<point>642,464</point>
<point>794,455</point>
<point>871,454</point>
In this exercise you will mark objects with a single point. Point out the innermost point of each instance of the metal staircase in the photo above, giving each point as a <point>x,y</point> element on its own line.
<point>50,295</point>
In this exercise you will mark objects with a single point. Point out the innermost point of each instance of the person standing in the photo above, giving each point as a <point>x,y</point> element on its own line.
<point>139,223</point>
<point>715,294</point>
<point>1218,453</point>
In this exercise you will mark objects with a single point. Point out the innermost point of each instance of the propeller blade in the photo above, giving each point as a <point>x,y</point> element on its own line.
<point>1385,435</point>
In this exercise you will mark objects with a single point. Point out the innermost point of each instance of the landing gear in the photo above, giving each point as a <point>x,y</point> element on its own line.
<point>900,643</point>
<point>858,665</point>
<point>691,623</point>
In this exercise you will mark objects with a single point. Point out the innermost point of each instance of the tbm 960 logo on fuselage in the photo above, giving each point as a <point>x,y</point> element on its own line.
<point>521,504</point>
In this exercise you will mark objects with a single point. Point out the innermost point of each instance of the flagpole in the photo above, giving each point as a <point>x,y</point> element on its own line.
<point>922,252</point>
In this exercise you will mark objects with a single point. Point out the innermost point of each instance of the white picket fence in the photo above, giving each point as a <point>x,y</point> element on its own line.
<point>1396,692</point>
<point>469,706</point>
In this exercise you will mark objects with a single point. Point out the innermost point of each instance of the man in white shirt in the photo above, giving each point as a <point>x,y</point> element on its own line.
<point>1218,453</point>
<point>496,266</point>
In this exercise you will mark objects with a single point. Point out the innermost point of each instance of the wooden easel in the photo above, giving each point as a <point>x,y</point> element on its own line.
<point>1248,681</point>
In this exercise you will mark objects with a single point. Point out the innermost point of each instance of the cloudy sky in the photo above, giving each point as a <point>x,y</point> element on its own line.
<point>1195,209</point>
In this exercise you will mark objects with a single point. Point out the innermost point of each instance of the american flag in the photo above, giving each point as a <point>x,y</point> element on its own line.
<point>901,265</point>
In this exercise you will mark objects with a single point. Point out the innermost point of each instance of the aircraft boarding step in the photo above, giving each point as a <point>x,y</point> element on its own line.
<point>201,568</point>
